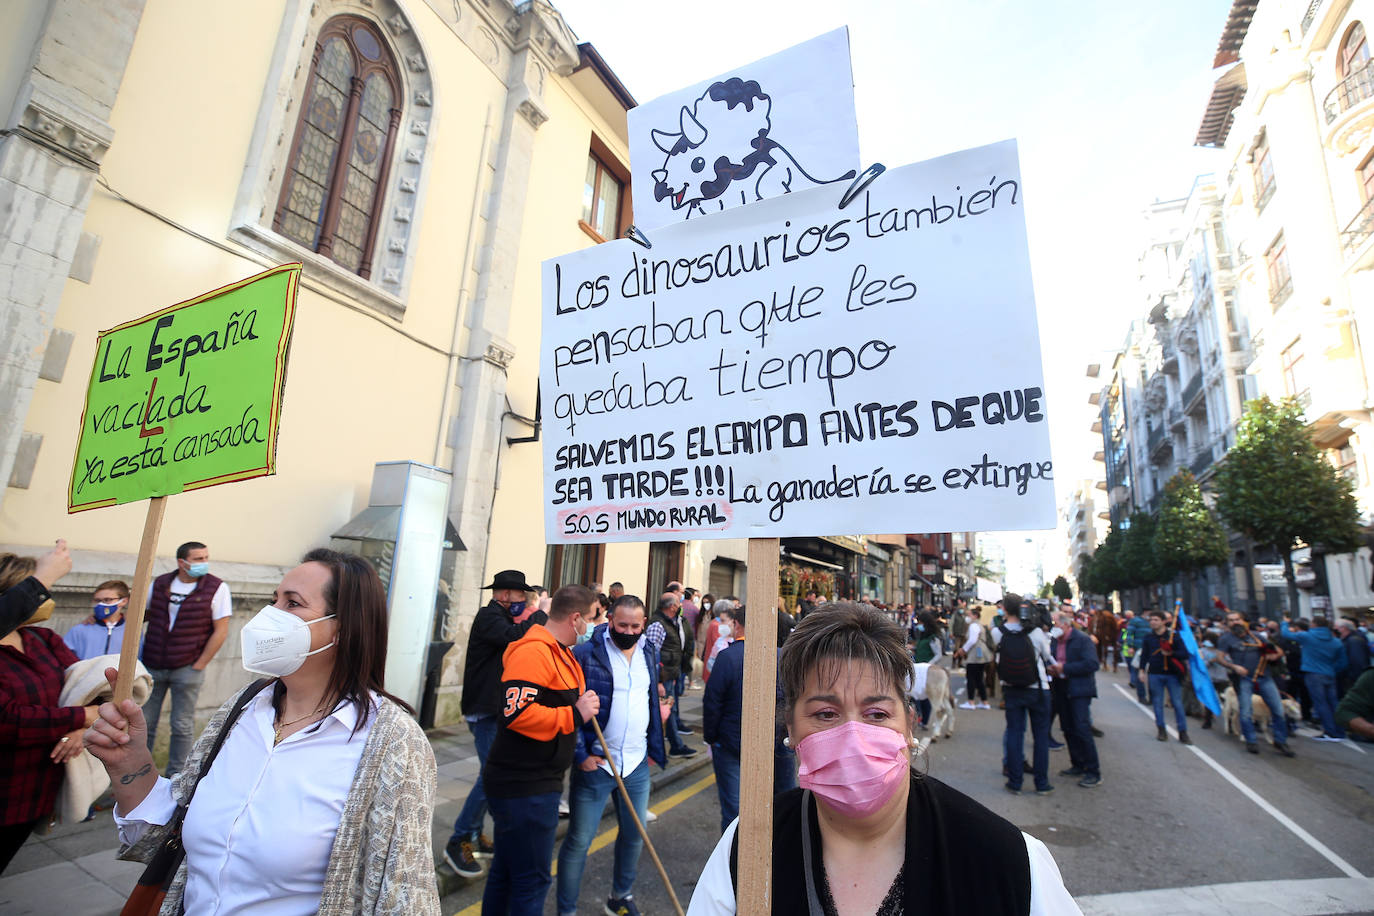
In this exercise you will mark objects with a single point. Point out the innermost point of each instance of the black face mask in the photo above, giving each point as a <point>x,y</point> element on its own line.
<point>1240,629</point>
<point>624,640</point>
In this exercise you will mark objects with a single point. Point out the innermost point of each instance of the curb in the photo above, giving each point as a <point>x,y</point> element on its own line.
<point>678,770</point>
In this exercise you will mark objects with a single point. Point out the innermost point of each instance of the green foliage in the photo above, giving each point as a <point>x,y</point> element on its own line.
<point>1103,574</point>
<point>1187,537</point>
<point>1140,567</point>
<point>1044,591</point>
<point>1275,486</point>
<point>1061,589</point>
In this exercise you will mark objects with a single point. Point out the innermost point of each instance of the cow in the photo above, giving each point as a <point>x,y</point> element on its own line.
<point>722,148</point>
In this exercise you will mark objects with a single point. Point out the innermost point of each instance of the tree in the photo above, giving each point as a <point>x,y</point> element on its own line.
<point>1044,591</point>
<point>1140,567</point>
<point>1188,537</point>
<point>1275,487</point>
<point>1103,574</point>
<point>1061,588</point>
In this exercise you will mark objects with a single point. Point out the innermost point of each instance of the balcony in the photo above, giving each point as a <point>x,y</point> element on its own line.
<point>1311,15</point>
<point>1159,442</point>
<point>1279,294</point>
<point>1192,390</point>
<point>1360,229</point>
<point>1202,460</point>
<point>1170,357</point>
<point>1349,110</point>
<point>1176,418</point>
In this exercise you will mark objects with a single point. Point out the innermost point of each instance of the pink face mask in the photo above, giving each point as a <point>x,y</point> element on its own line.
<point>854,767</point>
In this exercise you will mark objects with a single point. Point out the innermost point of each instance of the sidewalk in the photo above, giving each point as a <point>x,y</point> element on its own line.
<point>73,870</point>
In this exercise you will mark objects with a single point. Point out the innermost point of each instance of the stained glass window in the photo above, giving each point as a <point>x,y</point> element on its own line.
<point>331,192</point>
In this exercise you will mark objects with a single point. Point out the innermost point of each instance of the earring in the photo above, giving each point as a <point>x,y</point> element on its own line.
<point>787,742</point>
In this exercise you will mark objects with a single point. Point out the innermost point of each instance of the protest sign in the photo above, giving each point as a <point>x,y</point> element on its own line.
<point>771,127</point>
<point>187,397</point>
<point>789,368</point>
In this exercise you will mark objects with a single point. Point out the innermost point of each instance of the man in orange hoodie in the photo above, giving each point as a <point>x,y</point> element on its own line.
<point>545,701</point>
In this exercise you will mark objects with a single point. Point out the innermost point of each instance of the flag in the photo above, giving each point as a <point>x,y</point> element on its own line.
<point>1202,681</point>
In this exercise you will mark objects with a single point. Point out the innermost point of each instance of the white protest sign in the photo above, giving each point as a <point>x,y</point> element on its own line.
<point>789,367</point>
<point>777,125</point>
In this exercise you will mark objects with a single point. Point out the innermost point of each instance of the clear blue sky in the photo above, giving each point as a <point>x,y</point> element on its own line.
<point>1103,98</point>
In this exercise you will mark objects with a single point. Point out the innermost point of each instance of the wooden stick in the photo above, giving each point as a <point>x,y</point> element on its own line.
<point>138,599</point>
<point>629,804</point>
<point>756,759</point>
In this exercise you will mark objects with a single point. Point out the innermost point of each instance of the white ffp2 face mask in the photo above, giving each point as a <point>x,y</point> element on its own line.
<point>276,642</point>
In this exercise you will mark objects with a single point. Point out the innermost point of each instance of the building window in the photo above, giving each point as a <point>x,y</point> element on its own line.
<point>665,565</point>
<point>573,564</point>
<point>1263,170</point>
<point>1280,278</point>
<point>331,194</point>
<point>1292,369</point>
<point>601,195</point>
<point>1346,462</point>
<point>1366,174</point>
<point>1354,50</point>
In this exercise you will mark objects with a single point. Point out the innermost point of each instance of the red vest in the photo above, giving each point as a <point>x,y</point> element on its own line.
<point>182,645</point>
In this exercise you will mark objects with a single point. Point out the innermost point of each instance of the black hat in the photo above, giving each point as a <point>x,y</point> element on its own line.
<point>511,578</point>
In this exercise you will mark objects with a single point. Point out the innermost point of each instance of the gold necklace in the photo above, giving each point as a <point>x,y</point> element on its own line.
<point>277,733</point>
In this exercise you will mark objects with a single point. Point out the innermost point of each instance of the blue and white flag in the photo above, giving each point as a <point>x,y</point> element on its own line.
<point>1202,681</point>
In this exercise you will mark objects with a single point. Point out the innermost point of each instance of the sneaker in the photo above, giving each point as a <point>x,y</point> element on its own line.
<point>1056,745</point>
<point>485,848</point>
<point>1327,738</point>
<point>621,906</point>
<point>1184,739</point>
<point>967,705</point>
<point>1285,750</point>
<point>681,730</point>
<point>563,809</point>
<point>1252,747</point>
<point>1011,789</point>
<point>650,817</point>
<point>1073,771</point>
<point>1097,732</point>
<point>1090,781</point>
<point>1162,736</point>
<point>983,706</point>
<point>683,751</point>
<point>460,858</point>
<point>1045,791</point>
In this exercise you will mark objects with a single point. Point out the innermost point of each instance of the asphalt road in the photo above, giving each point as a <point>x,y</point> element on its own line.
<point>1210,829</point>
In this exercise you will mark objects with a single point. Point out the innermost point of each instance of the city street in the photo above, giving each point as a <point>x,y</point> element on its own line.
<point>1172,829</point>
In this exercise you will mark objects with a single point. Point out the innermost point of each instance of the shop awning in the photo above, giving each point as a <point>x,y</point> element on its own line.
<point>800,558</point>
<point>850,542</point>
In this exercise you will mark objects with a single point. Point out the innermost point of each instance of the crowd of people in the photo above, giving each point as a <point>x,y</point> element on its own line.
<point>571,698</point>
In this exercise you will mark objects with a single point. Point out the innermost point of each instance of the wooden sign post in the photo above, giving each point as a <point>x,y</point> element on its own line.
<point>757,731</point>
<point>184,398</point>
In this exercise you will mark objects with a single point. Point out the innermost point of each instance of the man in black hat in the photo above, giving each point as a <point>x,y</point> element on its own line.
<point>493,629</point>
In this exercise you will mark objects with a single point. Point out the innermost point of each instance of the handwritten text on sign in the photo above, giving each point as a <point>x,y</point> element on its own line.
<point>789,368</point>
<point>187,397</point>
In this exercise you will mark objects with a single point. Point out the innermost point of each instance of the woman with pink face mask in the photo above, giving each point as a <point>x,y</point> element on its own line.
<point>867,833</point>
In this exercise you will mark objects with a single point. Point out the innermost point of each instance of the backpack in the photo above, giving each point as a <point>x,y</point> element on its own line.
<point>1016,662</point>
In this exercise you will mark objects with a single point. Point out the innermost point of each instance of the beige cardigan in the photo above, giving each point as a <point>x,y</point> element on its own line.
<point>382,862</point>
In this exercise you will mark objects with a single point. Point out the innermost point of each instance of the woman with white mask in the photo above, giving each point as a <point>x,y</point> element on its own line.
<point>311,790</point>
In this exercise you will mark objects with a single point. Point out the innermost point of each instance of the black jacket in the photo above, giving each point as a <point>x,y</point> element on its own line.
<point>722,704</point>
<point>18,604</point>
<point>492,630</point>
<point>1164,654</point>
<point>672,651</point>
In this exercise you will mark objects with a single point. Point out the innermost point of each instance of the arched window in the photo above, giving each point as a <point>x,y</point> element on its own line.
<point>1354,52</point>
<point>333,185</point>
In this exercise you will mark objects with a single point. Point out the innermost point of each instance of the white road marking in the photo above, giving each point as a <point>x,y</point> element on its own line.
<point>1281,898</point>
<point>1321,848</point>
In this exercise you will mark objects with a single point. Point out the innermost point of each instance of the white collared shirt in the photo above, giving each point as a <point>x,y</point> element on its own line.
<point>261,827</point>
<point>627,728</point>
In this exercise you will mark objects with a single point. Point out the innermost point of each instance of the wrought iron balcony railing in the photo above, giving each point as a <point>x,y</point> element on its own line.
<point>1351,91</point>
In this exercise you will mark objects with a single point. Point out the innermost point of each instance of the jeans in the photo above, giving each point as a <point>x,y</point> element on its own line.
<point>726,765</point>
<point>682,680</point>
<point>1136,680</point>
<point>519,878</point>
<point>185,685</point>
<point>1322,687</point>
<point>1035,703</point>
<point>469,823</point>
<point>674,690</point>
<point>1078,734</point>
<point>1160,683</point>
<point>1269,691</point>
<point>587,801</point>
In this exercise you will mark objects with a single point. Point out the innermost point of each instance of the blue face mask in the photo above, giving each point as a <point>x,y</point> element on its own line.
<point>197,570</point>
<point>920,628</point>
<point>517,608</point>
<point>104,612</point>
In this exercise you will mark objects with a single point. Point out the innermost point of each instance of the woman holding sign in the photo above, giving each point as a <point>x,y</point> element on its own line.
<point>871,835</point>
<point>312,790</point>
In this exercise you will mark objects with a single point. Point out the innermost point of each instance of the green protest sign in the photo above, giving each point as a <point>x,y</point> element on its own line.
<point>187,397</point>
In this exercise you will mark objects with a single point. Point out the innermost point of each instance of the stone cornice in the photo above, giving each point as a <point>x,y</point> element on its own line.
<point>48,118</point>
